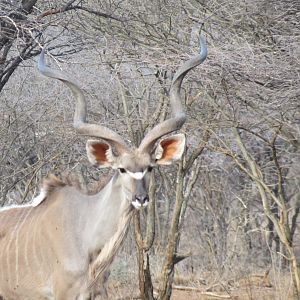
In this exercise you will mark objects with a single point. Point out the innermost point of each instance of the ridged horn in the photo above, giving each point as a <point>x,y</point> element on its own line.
<point>178,115</point>
<point>80,123</point>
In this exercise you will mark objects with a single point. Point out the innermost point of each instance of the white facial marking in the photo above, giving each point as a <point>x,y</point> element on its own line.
<point>137,175</point>
<point>138,205</point>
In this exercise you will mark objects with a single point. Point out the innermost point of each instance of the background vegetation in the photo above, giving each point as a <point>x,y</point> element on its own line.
<point>231,207</point>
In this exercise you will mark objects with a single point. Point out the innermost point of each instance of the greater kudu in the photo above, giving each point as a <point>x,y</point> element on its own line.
<point>57,246</point>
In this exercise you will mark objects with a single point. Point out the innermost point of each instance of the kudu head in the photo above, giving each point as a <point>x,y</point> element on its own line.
<point>134,165</point>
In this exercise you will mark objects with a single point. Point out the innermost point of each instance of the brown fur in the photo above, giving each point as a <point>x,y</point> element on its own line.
<point>51,183</point>
<point>99,151</point>
<point>170,148</point>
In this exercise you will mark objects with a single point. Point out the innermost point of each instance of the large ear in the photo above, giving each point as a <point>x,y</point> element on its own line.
<point>100,153</point>
<point>170,149</point>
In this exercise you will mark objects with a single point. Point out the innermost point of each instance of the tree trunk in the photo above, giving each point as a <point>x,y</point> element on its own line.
<point>143,245</point>
<point>167,274</point>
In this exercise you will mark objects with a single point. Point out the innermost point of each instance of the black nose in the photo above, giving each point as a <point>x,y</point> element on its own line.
<point>142,199</point>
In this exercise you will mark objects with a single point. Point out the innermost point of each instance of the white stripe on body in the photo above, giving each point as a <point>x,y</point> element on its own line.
<point>34,202</point>
<point>10,241</point>
<point>17,245</point>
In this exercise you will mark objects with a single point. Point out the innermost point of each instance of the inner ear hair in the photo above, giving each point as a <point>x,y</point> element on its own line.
<point>170,149</point>
<point>100,153</point>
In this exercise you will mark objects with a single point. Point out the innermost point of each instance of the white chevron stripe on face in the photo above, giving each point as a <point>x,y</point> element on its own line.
<point>137,175</point>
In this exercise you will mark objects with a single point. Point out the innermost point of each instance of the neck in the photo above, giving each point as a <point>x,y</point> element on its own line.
<point>103,261</point>
<point>114,213</point>
<point>106,210</point>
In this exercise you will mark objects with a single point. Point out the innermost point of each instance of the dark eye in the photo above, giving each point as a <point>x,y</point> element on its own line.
<point>150,169</point>
<point>122,170</point>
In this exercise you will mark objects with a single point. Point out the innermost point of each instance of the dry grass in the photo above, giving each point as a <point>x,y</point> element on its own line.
<point>257,286</point>
<point>122,292</point>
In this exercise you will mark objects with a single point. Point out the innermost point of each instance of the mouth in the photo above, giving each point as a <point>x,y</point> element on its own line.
<point>139,205</point>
